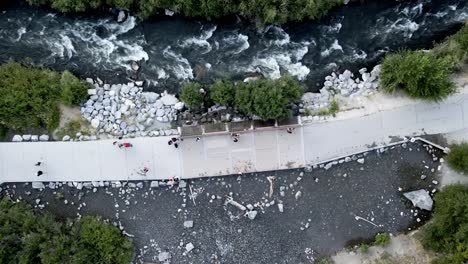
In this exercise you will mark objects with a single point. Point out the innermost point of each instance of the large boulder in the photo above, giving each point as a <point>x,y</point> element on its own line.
<point>420,198</point>
<point>44,138</point>
<point>169,99</point>
<point>17,138</point>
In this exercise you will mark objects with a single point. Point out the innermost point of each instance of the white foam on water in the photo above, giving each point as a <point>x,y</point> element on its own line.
<point>208,66</point>
<point>271,66</point>
<point>131,52</point>
<point>335,46</point>
<point>359,55</point>
<point>284,37</point>
<point>181,68</point>
<point>239,40</point>
<point>334,28</point>
<point>67,46</point>
<point>405,26</point>
<point>300,52</point>
<point>120,28</point>
<point>20,31</point>
<point>161,74</point>
<point>200,41</point>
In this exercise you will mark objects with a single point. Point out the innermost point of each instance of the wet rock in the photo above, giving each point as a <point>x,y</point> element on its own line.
<point>121,16</point>
<point>252,214</point>
<point>164,256</point>
<point>360,161</point>
<point>189,247</point>
<point>38,185</point>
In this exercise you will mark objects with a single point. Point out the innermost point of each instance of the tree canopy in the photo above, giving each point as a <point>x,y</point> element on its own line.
<point>263,11</point>
<point>29,96</point>
<point>29,237</point>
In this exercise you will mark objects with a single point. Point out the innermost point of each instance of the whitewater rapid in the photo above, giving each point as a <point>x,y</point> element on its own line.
<point>174,50</point>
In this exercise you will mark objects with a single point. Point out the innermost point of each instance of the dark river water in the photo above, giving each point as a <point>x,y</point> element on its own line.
<point>171,50</point>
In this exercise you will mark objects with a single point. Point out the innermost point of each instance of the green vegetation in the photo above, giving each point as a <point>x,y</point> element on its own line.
<point>29,96</point>
<point>455,49</point>
<point>265,98</point>
<point>191,95</point>
<point>263,11</point>
<point>74,90</point>
<point>419,74</point>
<point>458,157</point>
<point>382,239</point>
<point>331,110</point>
<point>425,74</point>
<point>30,237</point>
<point>71,128</point>
<point>222,92</point>
<point>448,231</point>
<point>364,248</point>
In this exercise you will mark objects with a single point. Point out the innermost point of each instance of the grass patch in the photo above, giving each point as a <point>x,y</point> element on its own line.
<point>382,239</point>
<point>364,248</point>
<point>71,128</point>
<point>332,110</point>
<point>458,157</point>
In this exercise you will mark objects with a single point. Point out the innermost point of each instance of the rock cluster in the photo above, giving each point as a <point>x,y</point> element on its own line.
<point>124,109</point>
<point>344,84</point>
<point>33,138</point>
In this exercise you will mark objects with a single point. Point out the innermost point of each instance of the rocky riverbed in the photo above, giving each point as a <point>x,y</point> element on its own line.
<point>291,216</point>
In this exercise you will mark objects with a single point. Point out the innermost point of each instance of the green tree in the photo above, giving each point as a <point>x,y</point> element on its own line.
<point>74,90</point>
<point>222,92</point>
<point>418,74</point>
<point>448,231</point>
<point>28,237</point>
<point>28,97</point>
<point>191,95</point>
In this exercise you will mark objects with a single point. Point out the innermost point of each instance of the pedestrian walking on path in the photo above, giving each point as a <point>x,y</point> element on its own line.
<point>125,145</point>
<point>143,171</point>
<point>290,130</point>
<point>38,164</point>
<point>235,137</point>
<point>197,139</point>
<point>39,173</point>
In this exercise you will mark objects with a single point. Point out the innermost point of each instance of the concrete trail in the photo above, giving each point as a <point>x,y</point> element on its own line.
<point>260,150</point>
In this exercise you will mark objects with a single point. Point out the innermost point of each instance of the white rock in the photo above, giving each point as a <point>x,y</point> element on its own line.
<point>121,16</point>
<point>44,138</point>
<point>34,138</point>
<point>360,161</point>
<point>188,224</point>
<point>26,137</point>
<point>164,256</point>
<point>95,123</point>
<point>179,106</point>
<point>189,247</point>
<point>38,185</point>
<point>182,184</point>
<point>252,214</point>
<point>154,184</point>
<point>420,198</point>
<point>169,99</point>
<point>66,138</point>
<point>280,207</point>
<point>168,12</point>
<point>92,91</point>
<point>17,138</point>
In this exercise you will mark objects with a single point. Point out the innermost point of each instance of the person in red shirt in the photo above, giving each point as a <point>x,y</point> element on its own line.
<point>125,145</point>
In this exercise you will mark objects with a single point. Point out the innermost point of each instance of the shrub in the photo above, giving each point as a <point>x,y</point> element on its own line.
<point>418,74</point>
<point>334,108</point>
<point>222,92</point>
<point>74,90</point>
<point>458,157</point>
<point>448,231</point>
<point>382,239</point>
<point>190,94</point>
<point>30,237</point>
<point>364,248</point>
<point>325,260</point>
<point>28,97</point>
<point>268,99</point>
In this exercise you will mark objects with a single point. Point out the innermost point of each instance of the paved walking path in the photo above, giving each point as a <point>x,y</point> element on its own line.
<point>260,150</point>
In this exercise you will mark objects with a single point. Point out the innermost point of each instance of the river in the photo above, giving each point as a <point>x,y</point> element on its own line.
<point>172,49</point>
